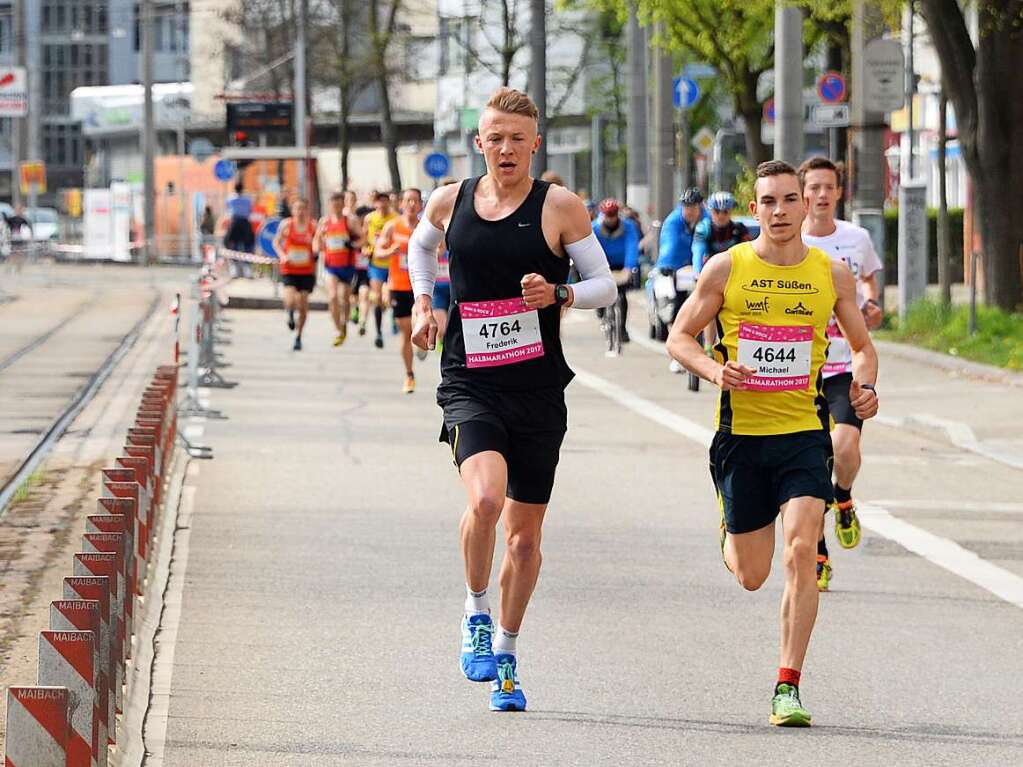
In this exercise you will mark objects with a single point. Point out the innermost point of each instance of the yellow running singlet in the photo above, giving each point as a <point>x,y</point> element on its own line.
<point>374,225</point>
<point>774,319</point>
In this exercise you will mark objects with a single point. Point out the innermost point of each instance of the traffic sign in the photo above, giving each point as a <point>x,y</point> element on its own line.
<point>201,149</point>
<point>703,141</point>
<point>437,165</point>
<point>13,92</point>
<point>830,115</point>
<point>685,92</point>
<point>224,170</point>
<point>769,111</point>
<point>831,87</point>
<point>884,76</point>
<point>266,235</point>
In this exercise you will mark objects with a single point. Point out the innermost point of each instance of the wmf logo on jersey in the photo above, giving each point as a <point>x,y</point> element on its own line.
<point>757,307</point>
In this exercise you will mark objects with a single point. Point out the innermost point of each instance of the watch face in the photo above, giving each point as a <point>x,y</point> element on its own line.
<point>562,293</point>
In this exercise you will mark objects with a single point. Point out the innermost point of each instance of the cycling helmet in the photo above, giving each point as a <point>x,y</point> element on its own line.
<point>721,201</point>
<point>609,207</point>
<point>691,196</point>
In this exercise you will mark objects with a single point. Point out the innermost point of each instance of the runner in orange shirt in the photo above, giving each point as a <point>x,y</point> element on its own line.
<point>393,242</point>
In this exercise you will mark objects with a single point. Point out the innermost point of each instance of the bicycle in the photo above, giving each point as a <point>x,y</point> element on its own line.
<point>613,327</point>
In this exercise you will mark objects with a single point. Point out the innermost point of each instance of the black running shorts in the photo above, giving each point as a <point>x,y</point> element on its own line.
<point>303,283</point>
<point>526,428</point>
<point>361,278</point>
<point>836,389</point>
<point>754,476</point>
<point>401,303</point>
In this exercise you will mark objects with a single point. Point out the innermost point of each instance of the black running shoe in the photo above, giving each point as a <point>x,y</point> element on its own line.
<point>298,344</point>
<point>291,319</point>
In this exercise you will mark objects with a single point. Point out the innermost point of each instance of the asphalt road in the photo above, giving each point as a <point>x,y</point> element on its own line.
<point>319,582</point>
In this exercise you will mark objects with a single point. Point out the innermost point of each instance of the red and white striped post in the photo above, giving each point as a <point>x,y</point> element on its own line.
<point>125,507</point>
<point>37,727</point>
<point>65,660</point>
<point>98,566</point>
<point>112,543</point>
<point>117,524</point>
<point>83,615</point>
<point>134,491</point>
<point>97,588</point>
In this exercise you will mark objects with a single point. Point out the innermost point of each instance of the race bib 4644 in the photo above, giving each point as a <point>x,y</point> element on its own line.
<point>779,353</point>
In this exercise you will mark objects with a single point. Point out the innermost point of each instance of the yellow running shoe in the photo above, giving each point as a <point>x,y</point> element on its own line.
<point>410,384</point>
<point>823,573</point>
<point>340,337</point>
<point>847,525</point>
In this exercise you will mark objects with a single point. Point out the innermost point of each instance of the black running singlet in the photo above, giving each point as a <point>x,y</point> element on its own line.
<point>488,260</point>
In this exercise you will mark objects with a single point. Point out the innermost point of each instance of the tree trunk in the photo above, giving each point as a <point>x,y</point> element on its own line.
<point>944,236</point>
<point>987,94</point>
<point>999,147</point>
<point>380,42</point>
<point>345,92</point>
<point>507,43</point>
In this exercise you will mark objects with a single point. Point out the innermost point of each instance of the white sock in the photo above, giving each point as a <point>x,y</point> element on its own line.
<point>504,640</point>
<point>476,602</point>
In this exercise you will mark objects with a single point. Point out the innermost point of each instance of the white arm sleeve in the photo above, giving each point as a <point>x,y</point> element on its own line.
<point>422,257</point>
<point>597,288</point>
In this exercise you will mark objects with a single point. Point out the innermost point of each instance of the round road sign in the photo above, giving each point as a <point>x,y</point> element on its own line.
<point>224,170</point>
<point>266,235</point>
<point>831,87</point>
<point>437,165</point>
<point>769,111</point>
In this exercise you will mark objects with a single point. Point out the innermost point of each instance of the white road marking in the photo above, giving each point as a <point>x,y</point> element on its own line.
<point>940,551</point>
<point>922,504</point>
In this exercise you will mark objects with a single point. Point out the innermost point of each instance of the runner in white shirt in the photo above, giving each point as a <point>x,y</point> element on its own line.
<point>850,244</point>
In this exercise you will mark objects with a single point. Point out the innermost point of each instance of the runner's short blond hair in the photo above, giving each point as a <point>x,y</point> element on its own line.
<point>513,102</point>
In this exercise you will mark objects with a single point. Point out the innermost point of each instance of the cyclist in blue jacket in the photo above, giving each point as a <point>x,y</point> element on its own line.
<point>676,243</point>
<point>619,236</point>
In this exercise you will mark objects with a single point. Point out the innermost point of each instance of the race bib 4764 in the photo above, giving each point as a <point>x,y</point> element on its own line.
<point>500,332</point>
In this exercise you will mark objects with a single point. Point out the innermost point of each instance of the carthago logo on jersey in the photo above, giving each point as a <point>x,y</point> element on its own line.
<point>785,287</point>
<point>800,310</point>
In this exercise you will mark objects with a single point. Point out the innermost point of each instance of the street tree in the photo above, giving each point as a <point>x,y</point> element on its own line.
<point>382,18</point>
<point>981,78</point>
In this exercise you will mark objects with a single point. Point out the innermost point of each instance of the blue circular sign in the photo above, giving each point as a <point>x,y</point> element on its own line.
<point>267,232</point>
<point>224,170</point>
<point>831,87</point>
<point>437,165</point>
<point>685,92</point>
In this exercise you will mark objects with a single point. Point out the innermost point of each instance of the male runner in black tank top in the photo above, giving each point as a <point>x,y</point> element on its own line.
<point>503,373</point>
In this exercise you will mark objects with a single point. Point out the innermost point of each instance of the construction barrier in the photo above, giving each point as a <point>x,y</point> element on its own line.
<point>70,719</point>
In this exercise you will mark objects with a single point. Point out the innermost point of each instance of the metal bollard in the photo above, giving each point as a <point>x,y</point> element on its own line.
<point>97,588</point>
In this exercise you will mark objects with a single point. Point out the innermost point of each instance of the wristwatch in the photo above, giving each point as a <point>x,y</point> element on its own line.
<point>560,295</point>
<point>869,387</point>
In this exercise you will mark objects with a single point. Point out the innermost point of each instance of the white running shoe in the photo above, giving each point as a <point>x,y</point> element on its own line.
<point>676,367</point>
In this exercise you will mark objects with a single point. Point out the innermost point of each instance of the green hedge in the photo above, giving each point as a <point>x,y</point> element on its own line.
<point>891,256</point>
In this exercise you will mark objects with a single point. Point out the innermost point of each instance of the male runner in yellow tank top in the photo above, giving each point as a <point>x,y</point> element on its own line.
<point>771,300</point>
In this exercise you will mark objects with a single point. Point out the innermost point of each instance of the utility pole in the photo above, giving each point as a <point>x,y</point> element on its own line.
<point>299,90</point>
<point>184,240</point>
<point>662,124</point>
<point>597,157</point>
<point>538,73</point>
<point>20,124</point>
<point>148,135</point>
<point>867,128</point>
<point>912,197</point>
<point>788,83</point>
<point>637,187</point>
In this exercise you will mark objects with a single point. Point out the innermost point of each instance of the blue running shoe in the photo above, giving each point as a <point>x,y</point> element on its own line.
<point>477,656</point>
<point>505,693</point>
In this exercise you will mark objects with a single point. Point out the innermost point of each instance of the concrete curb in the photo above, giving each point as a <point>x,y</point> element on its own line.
<point>951,364</point>
<point>252,302</point>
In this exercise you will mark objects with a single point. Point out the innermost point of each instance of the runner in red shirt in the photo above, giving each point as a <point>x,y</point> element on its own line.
<point>335,240</point>
<point>294,246</point>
